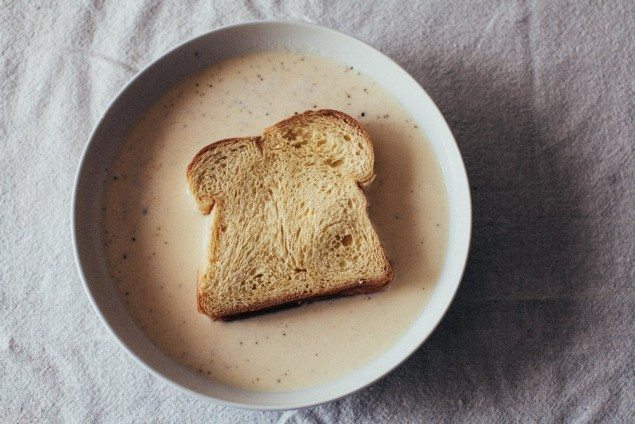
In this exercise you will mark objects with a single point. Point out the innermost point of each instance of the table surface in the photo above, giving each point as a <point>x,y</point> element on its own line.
<point>540,97</point>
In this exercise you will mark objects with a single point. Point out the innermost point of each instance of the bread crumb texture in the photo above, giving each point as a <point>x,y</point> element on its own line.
<point>288,217</point>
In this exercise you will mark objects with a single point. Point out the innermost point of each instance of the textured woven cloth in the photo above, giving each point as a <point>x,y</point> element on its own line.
<point>541,98</point>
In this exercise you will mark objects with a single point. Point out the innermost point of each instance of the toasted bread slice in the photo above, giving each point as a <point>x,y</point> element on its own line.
<point>288,216</point>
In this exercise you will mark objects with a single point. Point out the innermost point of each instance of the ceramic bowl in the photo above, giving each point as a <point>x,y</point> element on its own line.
<point>215,46</point>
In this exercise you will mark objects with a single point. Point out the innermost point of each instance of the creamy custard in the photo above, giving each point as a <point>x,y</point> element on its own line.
<point>154,235</point>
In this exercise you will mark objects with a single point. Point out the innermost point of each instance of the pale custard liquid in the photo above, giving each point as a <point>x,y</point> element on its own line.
<point>154,236</point>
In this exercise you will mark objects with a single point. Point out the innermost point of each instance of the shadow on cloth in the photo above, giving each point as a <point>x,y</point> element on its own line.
<point>513,312</point>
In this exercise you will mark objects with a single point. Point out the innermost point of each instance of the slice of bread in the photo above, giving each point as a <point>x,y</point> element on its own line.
<point>288,216</point>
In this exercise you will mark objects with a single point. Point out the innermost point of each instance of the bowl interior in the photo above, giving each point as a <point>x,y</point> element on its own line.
<point>191,57</point>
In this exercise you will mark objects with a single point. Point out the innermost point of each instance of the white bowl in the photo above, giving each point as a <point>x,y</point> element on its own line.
<point>216,46</point>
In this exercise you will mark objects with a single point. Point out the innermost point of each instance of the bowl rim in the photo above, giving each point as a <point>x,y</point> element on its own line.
<point>463,253</point>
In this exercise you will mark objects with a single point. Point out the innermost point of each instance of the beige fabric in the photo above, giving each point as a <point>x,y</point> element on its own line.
<point>540,96</point>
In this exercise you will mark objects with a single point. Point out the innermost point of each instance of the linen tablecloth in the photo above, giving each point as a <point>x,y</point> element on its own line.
<point>540,97</point>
